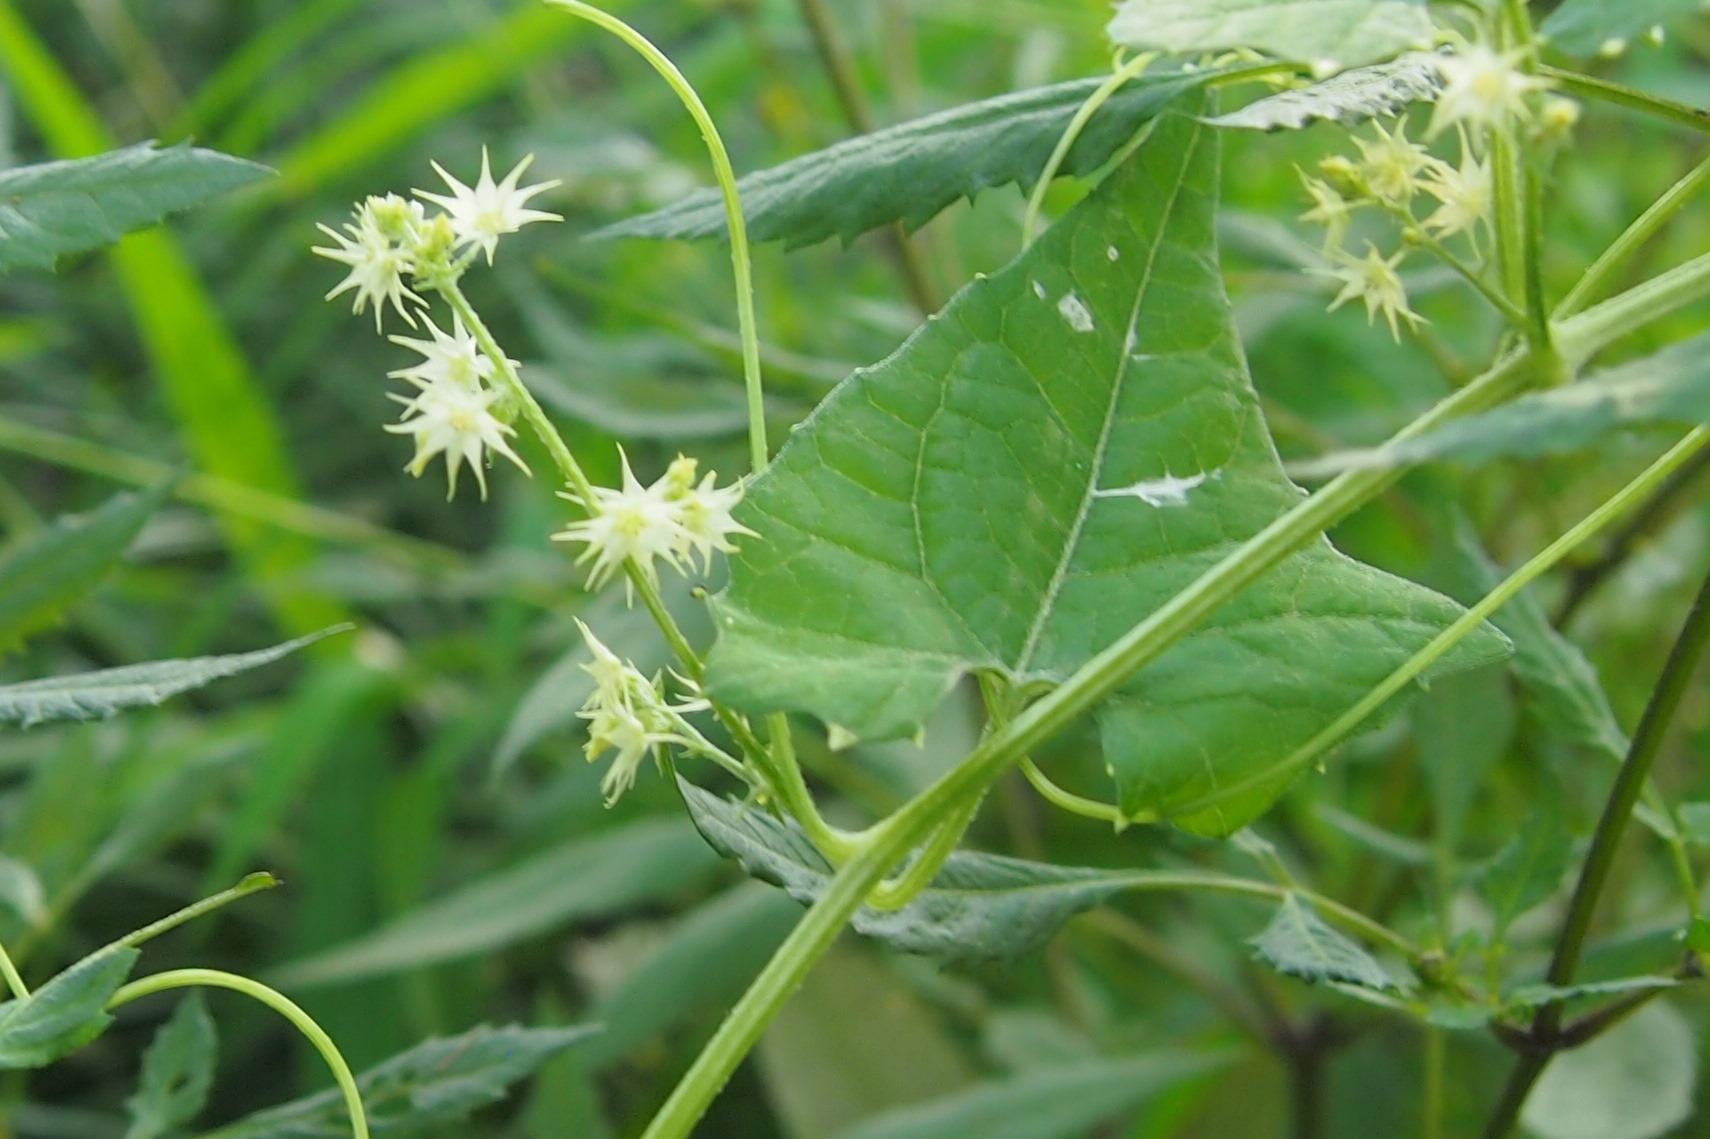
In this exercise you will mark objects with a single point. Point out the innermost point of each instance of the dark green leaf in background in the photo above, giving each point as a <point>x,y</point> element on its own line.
<point>94,695</point>
<point>1068,445</point>
<point>1047,1103</point>
<point>910,172</point>
<point>1583,27</point>
<point>48,572</point>
<point>56,208</point>
<point>177,1072</point>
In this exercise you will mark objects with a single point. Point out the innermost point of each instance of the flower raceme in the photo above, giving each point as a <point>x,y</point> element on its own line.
<point>669,521</point>
<point>628,715</point>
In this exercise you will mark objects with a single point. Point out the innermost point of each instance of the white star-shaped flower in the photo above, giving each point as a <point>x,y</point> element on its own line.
<point>1467,195</point>
<point>483,213</point>
<point>1374,280</point>
<point>633,523</point>
<point>1391,164</point>
<point>377,263</point>
<point>1483,88</point>
<point>704,520</point>
<point>452,357</point>
<point>457,421</point>
<point>1330,209</point>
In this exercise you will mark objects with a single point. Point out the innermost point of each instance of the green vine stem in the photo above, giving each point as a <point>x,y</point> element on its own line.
<point>278,1002</point>
<point>14,979</point>
<point>889,841</point>
<point>1590,87</point>
<point>1647,226</point>
<point>1546,1037</point>
<point>251,884</point>
<point>740,260</point>
<point>1071,134</point>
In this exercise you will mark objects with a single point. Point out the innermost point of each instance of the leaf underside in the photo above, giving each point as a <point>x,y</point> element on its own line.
<point>94,695</point>
<point>910,172</point>
<point>1349,98</point>
<point>979,907</point>
<point>1067,446</point>
<point>56,208</point>
<point>1343,33</point>
<point>64,1014</point>
<point>1299,943</point>
<point>436,1082</point>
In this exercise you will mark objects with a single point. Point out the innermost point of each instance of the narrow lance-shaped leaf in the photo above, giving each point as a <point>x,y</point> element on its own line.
<point>64,1014</point>
<point>1299,943</point>
<point>1670,387</point>
<point>910,172</point>
<point>1336,33</point>
<point>1072,442</point>
<point>94,695</point>
<point>177,1073</point>
<point>56,208</point>
<point>1584,27</point>
<point>48,572</point>
<point>1045,1103</point>
<point>588,877</point>
<point>1349,98</point>
<point>433,1084</point>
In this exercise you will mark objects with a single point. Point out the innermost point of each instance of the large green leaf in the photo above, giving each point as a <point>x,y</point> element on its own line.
<point>49,571</point>
<point>1072,442</point>
<point>588,877</point>
<point>1582,27</point>
<point>177,1073</point>
<point>56,208</point>
<point>1349,98</point>
<point>909,172</point>
<point>1670,387</point>
<point>64,1014</point>
<point>1334,32</point>
<point>93,695</point>
<point>1059,1102</point>
<point>435,1083</point>
<point>1633,1082</point>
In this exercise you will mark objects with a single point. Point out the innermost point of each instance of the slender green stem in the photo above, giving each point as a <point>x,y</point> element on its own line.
<point>1590,87</point>
<point>1469,622</point>
<point>794,796</point>
<point>1647,226</point>
<point>1436,1062</point>
<point>1074,804</point>
<point>1677,676</point>
<point>900,891</point>
<point>1513,312</point>
<point>1582,336</point>
<point>251,884</point>
<point>278,1002</point>
<point>14,980</point>
<point>1546,1033</point>
<point>741,263</point>
<point>1071,134</point>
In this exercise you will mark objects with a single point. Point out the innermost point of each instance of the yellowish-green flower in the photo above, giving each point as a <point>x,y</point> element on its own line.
<point>1373,279</point>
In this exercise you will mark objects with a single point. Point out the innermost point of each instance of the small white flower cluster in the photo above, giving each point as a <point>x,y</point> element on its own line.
<point>671,521</point>
<point>393,247</point>
<point>628,715</point>
<point>1482,91</point>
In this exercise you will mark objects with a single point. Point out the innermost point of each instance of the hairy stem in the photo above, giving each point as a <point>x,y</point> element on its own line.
<point>302,1021</point>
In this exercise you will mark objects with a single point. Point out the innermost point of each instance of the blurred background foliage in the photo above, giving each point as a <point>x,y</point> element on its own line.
<point>419,785</point>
